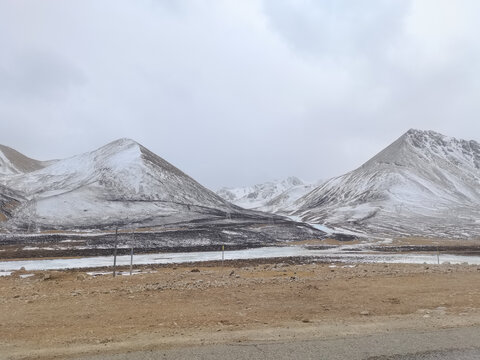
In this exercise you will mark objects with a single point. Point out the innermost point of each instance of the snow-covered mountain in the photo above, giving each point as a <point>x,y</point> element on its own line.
<point>122,182</point>
<point>424,183</point>
<point>268,196</point>
<point>288,197</point>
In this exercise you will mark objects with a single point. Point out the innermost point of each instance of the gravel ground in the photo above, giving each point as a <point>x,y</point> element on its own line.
<point>68,313</point>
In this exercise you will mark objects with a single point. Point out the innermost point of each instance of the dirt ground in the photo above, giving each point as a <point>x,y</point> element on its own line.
<point>65,313</point>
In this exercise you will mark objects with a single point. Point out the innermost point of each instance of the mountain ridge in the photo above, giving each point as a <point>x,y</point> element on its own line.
<point>120,181</point>
<point>423,174</point>
<point>267,196</point>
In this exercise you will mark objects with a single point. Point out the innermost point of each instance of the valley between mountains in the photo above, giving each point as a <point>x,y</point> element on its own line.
<point>423,184</point>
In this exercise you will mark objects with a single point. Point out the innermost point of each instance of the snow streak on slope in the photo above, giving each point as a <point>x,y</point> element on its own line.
<point>267,196</point>
<point>122,182</point>
<point>422,184</point>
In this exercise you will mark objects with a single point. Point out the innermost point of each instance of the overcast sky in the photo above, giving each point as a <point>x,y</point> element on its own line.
<point>237,92</point>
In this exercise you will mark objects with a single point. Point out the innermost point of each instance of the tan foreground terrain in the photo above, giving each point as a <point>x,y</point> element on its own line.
<point>66,313</point>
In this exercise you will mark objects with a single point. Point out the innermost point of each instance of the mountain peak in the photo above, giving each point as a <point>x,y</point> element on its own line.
<point>122,143</point>
<point>426,144</point>
<point>433,143</point>
<point>416,132</point>
<point>293,181</point>
<point>117,183</point>
<point>118,153</point>
<point>426,136</point>
<point>422,175</point>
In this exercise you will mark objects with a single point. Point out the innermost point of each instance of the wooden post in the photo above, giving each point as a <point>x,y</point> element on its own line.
<point>223,253</point>
<point>131,252</point>
<point>131,260</point>
<point>438,256</point>
<point>115,253</point>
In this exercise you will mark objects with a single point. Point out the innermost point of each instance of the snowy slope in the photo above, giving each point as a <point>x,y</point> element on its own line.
<point>424,183</point>
<point>288,197</point>
<point>267,196</point>
<point>122,182</point>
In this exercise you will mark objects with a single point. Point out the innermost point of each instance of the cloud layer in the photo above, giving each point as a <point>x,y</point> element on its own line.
<point>237,92</point>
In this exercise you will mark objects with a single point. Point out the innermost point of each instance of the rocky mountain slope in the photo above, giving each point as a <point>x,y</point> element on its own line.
<point>9,201</point>
<point>269,196</point>
<point>424,184</point>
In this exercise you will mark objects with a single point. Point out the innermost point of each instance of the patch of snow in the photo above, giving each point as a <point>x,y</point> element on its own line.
<point>228,232</point>
<point>24,276</point>
<point>31,248</point>
<point>122,273</point>
<point>322,228</point>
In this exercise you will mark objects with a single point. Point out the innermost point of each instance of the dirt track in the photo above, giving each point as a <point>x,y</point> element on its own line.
<point>65,313</point>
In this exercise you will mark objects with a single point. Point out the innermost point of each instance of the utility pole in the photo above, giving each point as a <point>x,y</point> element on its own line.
<point>223,253</point>
<point>131,252</point>
<point>115,252</point>
<point>33,204</point>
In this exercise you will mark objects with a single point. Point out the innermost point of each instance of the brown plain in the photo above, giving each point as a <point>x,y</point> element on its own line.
<point>57,314</point>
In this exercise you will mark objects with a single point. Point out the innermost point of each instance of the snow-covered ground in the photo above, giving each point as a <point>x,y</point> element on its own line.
<point>350,254</point>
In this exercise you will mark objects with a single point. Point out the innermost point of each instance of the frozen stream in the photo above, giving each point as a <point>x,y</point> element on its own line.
<point>329,255</point>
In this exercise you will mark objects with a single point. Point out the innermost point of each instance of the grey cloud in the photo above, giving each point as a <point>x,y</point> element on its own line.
<point>337,28</point>
<point>37,75</point>
<point>237,92</point>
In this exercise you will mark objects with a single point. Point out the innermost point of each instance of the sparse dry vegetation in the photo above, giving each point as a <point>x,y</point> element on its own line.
<point>54,313</point>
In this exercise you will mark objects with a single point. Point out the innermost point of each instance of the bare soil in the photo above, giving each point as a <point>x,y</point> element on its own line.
<point>58,314</point>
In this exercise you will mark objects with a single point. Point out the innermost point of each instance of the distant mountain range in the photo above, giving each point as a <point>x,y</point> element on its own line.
<point>269,196</point>
<point>423,184</point>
